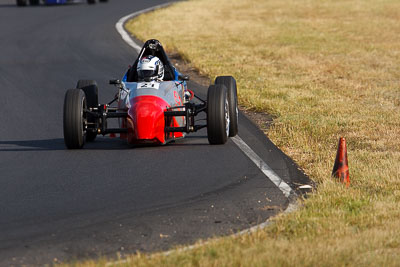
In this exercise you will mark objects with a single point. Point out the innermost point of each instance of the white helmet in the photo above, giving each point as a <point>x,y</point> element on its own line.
<point>150,68</point>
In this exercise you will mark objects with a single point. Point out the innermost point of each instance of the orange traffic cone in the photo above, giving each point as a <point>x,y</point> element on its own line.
<point>341,167</point>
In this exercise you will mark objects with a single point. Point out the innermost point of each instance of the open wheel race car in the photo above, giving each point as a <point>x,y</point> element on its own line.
<point>151,111</point>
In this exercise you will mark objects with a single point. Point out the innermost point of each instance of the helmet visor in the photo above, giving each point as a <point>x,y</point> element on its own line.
<point>146,74</point>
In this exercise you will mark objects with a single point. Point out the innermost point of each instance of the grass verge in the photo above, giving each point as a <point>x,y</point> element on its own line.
<point>324,69</point>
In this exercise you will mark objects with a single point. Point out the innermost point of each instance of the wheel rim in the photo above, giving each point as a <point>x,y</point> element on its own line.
<point>227,119</point>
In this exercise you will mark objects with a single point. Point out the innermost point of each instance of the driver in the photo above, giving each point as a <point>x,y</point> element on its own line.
<point>150,68</point>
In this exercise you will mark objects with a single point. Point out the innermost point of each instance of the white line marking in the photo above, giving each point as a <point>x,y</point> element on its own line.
<point>282,185</point>
<point>268,172</point>
<point>305,187</point>
<point>124,34</point>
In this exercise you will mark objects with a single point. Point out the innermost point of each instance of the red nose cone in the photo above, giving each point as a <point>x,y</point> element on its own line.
<point>147,124</point>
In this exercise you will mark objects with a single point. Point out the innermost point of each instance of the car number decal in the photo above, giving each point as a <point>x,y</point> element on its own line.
<point>148,85</point>
<point>177,98</point>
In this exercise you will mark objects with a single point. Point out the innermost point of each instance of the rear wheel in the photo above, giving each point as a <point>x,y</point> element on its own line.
<point>91,91</point>
<point>21,2</point>
<point>91,1</point>
<point>230,84</point>
<point>74,118</point>
<point>217,114</point>
<point>34,2</point>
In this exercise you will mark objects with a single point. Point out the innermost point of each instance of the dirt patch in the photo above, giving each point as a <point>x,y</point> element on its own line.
<point>262,119</point>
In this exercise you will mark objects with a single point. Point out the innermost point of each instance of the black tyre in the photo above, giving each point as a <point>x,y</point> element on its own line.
<point>34,2</point>
<point>217,114</point>
<point>74,118</point>
<point>103,1</point>
<point>230,84</point>
<point>91,1</point>
<point>92,100</point>
<point>22,2</point>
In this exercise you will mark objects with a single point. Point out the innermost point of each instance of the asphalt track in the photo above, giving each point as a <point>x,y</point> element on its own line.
<point>61,205</point>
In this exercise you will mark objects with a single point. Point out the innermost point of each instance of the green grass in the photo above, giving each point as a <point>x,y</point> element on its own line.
<point>324,69</point>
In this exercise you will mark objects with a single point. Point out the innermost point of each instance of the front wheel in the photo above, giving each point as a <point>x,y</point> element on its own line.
<point>230,84</point>
<point>91,1</point>
<point>217,114</point>
<point>34,2</point>
<point>74,118</point>
<point>91,91</point>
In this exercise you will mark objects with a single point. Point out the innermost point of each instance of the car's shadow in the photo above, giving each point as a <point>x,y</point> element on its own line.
<point>58,144</point>
<point>191,140</point>
<point>102,143</point>
<point>7,5</point>
<point>39,6</point>
<point>32,145</point>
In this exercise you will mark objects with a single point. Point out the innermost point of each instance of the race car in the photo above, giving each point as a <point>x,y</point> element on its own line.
<point>51,2</point>
<point>151,111</point>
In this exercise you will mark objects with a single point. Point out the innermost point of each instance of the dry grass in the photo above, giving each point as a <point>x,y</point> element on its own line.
<point>324,69</point>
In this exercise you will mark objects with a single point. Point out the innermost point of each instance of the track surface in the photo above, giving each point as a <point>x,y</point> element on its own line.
<point>61,205</point>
